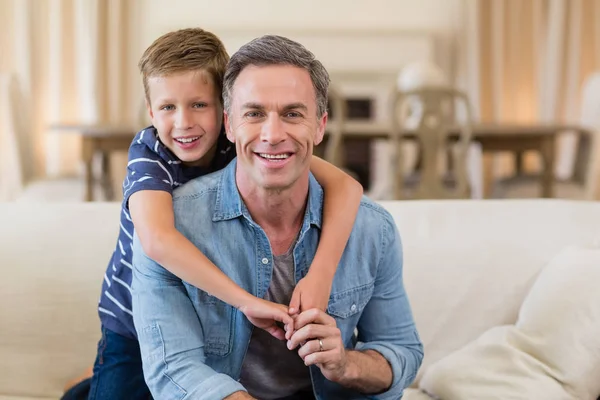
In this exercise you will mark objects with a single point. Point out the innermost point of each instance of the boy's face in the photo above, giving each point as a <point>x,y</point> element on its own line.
<point>186,112</point>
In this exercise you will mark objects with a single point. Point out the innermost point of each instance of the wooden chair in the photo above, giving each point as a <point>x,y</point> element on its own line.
<point>334,151</point>
<point>430,113</point>
<point>583,182</point>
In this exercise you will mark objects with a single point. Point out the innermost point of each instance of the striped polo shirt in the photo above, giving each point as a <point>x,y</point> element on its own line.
<point>151,166</point>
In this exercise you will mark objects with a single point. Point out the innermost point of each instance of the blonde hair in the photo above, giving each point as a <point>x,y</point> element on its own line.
<point>185,50</point>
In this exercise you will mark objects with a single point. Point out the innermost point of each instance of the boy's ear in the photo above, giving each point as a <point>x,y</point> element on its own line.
<point>228,131</point>
<point>149,108</point>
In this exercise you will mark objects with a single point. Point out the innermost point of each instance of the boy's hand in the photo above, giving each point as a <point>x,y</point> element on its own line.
<point>265,314</point>
<point>311,292</point>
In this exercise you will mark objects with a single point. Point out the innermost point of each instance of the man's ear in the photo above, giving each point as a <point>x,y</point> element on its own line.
<point>227,124</point>
<point>322,123</point>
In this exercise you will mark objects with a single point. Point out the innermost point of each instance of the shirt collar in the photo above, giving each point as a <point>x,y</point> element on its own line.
<point>229,203</point>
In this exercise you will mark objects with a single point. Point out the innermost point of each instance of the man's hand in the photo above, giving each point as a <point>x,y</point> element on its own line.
<point>265,314</point>
<point>320,343</point>
<point>312,291</point>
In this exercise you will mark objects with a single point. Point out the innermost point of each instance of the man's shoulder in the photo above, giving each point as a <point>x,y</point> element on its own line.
<point>373,213</point>
<point>197,189</point>
<point>374,225</point>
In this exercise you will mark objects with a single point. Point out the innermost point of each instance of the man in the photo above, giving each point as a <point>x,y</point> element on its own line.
<point>260,220</point>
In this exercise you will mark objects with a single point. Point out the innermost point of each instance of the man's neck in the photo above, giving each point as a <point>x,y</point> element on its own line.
<point>279,213</point>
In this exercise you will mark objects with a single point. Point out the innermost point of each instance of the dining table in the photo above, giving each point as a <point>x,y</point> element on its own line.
<point>493,137</point>
<point>104,139</point>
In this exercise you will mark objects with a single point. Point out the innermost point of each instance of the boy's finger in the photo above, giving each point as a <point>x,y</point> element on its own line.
<point>295,302</point>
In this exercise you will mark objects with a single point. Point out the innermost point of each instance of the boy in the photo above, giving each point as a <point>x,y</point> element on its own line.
<point>182,74</point>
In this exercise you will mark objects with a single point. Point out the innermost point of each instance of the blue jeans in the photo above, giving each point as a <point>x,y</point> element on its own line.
<point>117,372</point>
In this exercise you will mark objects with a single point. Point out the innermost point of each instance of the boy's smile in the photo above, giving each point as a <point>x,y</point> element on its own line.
<point>187,114</point>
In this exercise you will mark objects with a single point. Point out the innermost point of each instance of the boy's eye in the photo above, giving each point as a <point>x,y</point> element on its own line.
<point>168,107</point>
<point>199,105</point>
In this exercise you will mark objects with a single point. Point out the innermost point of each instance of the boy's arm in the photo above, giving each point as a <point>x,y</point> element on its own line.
<point>341,202</point>
<point>152,215</point>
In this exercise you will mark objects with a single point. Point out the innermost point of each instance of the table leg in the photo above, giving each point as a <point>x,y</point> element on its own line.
<point>488,174</point>
<point>519,160</point>
<point>107,187</point>
<point>87,155</point>
<point>548,153</point>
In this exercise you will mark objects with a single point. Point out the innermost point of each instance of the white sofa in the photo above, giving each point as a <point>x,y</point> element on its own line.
<point>468,267</point>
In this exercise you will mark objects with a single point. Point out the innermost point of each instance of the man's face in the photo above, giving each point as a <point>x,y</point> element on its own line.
<point>274,125</point>
<point>186,111</point>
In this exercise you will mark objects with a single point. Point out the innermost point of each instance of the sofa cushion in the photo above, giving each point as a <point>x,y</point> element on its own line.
<point>553,350</point>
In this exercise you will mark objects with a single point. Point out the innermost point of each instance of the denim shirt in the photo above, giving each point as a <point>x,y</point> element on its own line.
<point>193,344</point>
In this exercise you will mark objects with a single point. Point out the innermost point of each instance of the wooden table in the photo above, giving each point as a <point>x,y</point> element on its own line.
<point>102,139</point>
<point>513,138</point>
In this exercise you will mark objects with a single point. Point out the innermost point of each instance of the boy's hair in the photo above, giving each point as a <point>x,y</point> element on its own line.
<point>185,50</point>
<point>277,50</point>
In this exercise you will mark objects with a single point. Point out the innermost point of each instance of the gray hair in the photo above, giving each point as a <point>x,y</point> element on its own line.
<point>277,50</point>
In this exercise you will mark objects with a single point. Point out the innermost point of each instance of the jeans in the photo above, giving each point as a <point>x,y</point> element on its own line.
<point>117,372</point>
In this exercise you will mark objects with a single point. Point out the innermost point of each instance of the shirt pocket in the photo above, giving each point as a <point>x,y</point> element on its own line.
<point>350,302</point>
<point>217,319</point>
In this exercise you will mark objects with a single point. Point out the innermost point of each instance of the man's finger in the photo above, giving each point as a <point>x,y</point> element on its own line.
<point>321,357</point>
<point>313,316</point>
<point>313,346</point>
<point>309,332</point>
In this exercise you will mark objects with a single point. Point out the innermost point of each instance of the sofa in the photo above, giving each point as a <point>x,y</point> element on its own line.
<point>471,270</point>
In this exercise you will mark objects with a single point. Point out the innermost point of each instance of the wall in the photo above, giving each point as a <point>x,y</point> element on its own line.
<point>375,17</point>
<point>444,15</point>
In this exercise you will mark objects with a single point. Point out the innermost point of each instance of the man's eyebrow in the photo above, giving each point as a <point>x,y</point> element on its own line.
<point>252,105</point>
<point>296,106</point>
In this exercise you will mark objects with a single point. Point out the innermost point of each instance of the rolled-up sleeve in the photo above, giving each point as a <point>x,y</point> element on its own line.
<point>387,325</point>
<point>170,336</point>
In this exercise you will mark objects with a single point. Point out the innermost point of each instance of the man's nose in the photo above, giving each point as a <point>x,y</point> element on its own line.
<point>273,130</point>
<point>183,119</point>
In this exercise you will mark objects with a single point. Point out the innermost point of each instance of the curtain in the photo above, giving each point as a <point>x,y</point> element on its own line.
<point>528,62</point>
<point>72,60</point>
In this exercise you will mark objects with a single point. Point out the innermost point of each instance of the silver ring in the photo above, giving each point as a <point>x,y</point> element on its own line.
<point>320,345</point>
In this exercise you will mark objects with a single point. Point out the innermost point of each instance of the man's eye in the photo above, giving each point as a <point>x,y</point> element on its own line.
<point>168,107</point>
<point>293,114</point>
<point>253,114</point>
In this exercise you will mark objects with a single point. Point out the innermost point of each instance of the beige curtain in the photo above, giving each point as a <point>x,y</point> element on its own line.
<point>531,57</point>
<point>71,58</point>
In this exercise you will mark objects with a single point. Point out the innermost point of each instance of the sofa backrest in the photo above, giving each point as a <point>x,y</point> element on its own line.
<point>52,261</point>
<point>468,265</point>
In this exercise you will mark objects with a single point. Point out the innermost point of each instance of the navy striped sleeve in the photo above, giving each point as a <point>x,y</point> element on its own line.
<point>146,169</point>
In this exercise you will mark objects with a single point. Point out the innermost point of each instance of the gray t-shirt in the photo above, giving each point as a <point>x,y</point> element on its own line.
<point>270,370</point>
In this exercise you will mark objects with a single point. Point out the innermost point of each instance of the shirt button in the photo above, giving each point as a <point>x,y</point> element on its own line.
<point>353,308</point>
<point>265,260</point>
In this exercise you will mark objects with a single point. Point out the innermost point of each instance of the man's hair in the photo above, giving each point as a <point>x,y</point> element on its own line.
<point>277,50</point>
<point>182,51</point>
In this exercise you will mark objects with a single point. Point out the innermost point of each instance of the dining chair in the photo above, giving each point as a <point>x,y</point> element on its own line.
<point>583,182</point>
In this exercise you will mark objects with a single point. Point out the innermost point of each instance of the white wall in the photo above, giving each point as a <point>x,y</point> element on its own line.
<point>373,17</point>
<point>160,16</point>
